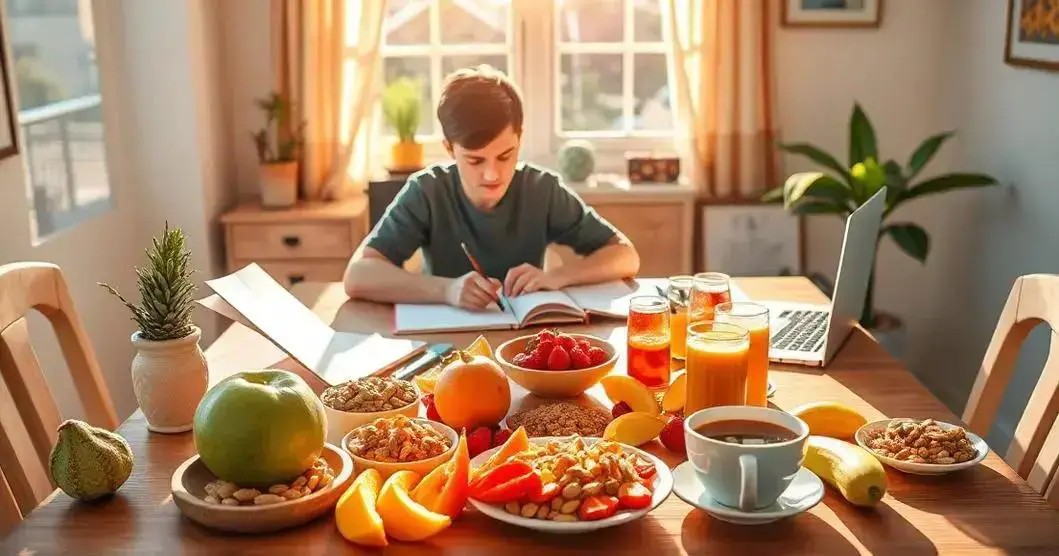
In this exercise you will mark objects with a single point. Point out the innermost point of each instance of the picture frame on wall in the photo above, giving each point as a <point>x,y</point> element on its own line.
<point>751,239</point>
<point>831,13</point>
<point>1031,40</point>
<point>8,127</point>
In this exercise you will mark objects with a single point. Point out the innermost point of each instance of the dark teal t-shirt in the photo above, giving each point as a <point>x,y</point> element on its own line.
<point>432,212</point>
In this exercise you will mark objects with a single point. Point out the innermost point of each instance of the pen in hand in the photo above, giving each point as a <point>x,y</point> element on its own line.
<point>479,270</point>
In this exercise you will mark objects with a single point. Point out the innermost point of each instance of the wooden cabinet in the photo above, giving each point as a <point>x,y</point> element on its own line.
<point>309,242</point>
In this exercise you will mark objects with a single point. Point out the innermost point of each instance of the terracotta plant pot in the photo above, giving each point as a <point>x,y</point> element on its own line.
<point>169,379</point>
<point>406,156</point>
<point>279,184</point>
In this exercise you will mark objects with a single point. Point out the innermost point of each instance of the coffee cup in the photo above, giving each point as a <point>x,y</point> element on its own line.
<point>747,476</point>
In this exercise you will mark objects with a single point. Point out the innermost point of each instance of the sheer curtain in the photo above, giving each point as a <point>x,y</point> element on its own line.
<point>721,85</point>
<point>325,59</point>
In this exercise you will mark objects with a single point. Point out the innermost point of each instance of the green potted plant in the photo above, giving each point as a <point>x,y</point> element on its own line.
<point>842,188</point>
<point>278,147</point>
<point>402,106</point>
<point>169,375</point>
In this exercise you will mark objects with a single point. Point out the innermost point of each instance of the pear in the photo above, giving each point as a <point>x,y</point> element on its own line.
<point>88,462</point>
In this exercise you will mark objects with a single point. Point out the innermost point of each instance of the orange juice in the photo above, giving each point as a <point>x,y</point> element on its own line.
<point>648,341</point>
<point>709,290</point>
<point>717,356</point>
<point>755,318</point>
<point>678,332</point>
<point>679,294</point>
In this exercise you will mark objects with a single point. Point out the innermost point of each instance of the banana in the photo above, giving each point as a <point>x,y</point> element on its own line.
<point>854,472</point>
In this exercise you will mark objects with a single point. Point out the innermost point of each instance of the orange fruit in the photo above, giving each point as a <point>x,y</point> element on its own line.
<point>472,391</point>
<point>428,380</point>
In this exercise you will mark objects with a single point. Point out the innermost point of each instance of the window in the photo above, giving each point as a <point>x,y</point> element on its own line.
<point>587,68</point>
<point>59,111</point>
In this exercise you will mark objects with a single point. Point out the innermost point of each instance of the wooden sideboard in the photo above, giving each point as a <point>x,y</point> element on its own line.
<point>308,242</point>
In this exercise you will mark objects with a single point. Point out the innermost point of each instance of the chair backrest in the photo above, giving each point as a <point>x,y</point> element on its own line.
<point>1034,450</point>
<point>29,416</point>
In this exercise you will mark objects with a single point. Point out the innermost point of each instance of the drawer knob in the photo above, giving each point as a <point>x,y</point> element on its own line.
<point>291,241</point>
<point>296,278</point>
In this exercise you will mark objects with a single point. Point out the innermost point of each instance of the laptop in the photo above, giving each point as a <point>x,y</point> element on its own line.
<point>811,334</point>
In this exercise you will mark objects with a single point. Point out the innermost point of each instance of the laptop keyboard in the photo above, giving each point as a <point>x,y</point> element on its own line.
<point>804,331</point>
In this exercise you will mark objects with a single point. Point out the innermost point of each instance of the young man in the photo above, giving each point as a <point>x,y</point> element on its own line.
<point>506,212</point>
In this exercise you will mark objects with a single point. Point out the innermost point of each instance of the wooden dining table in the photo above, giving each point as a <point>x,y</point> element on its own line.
<point>985,509</point>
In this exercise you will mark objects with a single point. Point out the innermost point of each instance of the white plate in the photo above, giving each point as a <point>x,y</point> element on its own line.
<point>804,492</point>
<point>663,486</point>
<point>922,468</point>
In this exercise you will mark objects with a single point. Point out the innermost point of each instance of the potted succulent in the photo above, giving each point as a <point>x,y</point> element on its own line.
<point>277,153</point>
<point>169,375</point>
<point>844,187</point>
<point>401,105</point>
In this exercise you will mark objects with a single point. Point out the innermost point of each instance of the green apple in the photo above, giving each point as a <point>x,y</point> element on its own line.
<point>260,427</point>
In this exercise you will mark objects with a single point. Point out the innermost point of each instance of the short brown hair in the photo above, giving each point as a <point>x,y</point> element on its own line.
<point>477,104</point>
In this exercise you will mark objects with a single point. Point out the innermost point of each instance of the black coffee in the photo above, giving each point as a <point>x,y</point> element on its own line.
<point>744,431</point>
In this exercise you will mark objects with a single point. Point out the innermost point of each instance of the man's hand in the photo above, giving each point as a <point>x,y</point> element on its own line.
<point>472,291</point>
<point>526,278</point>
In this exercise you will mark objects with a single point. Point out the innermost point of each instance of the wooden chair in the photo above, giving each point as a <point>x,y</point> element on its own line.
<point>1034,450</point>
<point>29,416</point>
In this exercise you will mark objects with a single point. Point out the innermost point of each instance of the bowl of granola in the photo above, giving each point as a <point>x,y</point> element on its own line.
<point>922,447</point>
<point>391,444</point>
<point>358,402</point>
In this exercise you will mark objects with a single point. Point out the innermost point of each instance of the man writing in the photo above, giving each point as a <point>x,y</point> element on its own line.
<point>505,211</point>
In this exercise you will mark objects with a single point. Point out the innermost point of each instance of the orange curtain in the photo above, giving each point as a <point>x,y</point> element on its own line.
<point>721,81</point>
<point>326,52</point>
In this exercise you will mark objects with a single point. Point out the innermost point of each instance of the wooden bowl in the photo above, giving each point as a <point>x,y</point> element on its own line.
<point>339,423</point>
<point>555,384</point>
<point>422,467</point>
<point>189,483</point>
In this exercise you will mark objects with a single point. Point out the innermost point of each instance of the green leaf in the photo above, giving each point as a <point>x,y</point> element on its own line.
<point>895,181</point>
<point>947,182</point>
<point>924,152</point>
<point>819,207</point>
<point>861,137</point>
<point>817,155</point>
<point>813,185</point>
<point>911,238</point>
<point>774,195</point>
<point>870,176</point>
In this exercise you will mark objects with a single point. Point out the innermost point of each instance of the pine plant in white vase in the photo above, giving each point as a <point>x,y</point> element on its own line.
<point>169,375</point>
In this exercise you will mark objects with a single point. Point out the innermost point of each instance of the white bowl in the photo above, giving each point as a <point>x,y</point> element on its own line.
<point>663,486</point>
<point>922,468</point>
<point>339,423</point>
<point>422,467</point>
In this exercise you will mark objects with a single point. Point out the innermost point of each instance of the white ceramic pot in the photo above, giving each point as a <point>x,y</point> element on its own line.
<point>279,184</point>
<point>169,379</point>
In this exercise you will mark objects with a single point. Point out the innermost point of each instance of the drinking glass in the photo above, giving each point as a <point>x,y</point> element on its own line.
<point>716,365</point>
<point>708,290</point>
<point>679,295</point>
<point>755,318</point>
<point>648,340</point>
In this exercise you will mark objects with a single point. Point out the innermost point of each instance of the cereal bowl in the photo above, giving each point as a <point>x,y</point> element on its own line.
<point>869,430</point>
<point>340,422</point>
<point>555,384</point>
<point>387,468</point>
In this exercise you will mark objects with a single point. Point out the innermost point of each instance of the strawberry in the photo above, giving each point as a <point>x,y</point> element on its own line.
<point>544,347</point>
<point>432,410</point>
<point>559,359</point>
<point>619,409</point>
<point>672,435</point>
<point>579,359</point>
<point>501,437</point>
<point>546,334</point>
<point>521,360</point>
<point>584,345</point>
<point>597,356</point>
<point>480,440</point>
<point>537,361</point>
<point>567,342</point>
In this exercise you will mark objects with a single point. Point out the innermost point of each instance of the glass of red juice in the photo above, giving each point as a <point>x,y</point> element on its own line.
<point>648,340</point>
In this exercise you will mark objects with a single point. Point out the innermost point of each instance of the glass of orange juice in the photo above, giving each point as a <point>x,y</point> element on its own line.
<point>679,295</point>
<point>717,359</point>
<point>755,318</point>
<point>708,290</point>
<point>649,340</point>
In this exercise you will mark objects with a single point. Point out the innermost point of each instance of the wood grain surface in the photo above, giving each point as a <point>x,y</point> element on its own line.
<point>987,509</point>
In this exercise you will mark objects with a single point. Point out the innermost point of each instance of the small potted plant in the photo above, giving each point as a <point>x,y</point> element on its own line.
<point>169,374</point>
<point>278,148</point>
<point>845,188</point>
<point>401,105</point>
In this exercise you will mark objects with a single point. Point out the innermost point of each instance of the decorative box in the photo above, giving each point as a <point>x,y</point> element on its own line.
<point>648,168</point>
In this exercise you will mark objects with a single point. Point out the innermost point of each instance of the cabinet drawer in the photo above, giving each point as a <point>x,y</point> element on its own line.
<point>289,273</point>
<point>290,241</point>
<point>657,231</point>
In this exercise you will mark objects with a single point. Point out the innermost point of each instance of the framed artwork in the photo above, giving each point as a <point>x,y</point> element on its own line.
<point>752,239</point>
<point>831,13</point>
<point>8,130</point>
<point>1032,36</point>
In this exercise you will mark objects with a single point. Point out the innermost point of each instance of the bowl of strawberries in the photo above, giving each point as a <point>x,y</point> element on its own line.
<point>554,364</point>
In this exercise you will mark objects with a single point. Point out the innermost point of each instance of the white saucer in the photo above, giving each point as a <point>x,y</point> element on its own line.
<point>804,492</point>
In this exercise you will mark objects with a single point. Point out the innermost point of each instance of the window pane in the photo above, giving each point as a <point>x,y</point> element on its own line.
<point>418,68</point>
<point>407,22</point>
<point>55,72</point>
<point>450,64</point>
<point>591,92</point>
<point>473,21</point>
<point>592,20</point>
<point>651,93</point>
<point>648,21</point>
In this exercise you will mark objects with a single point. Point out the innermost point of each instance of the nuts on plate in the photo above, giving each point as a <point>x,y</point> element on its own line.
<point>320,476</point>
<point>922,442</point>
<point>397,439</point>
<point>561,419</point>
<point>371,394</point>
